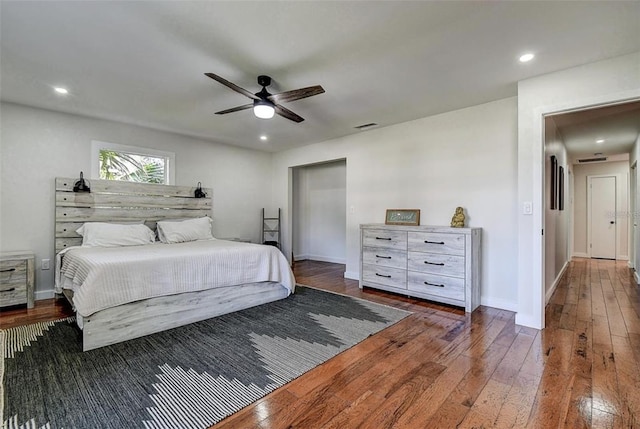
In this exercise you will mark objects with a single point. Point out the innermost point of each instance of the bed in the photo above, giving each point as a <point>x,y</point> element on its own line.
<point>121,293</point>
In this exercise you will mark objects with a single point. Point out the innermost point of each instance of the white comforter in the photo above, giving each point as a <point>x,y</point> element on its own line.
<point>104,277</point>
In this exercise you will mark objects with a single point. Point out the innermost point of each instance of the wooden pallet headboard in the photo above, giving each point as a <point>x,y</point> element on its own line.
<point>117,201</point>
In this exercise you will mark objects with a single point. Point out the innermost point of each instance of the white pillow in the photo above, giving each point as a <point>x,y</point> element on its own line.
<point>159,235</point>
<point>186,230</point>
<point>101,234</point>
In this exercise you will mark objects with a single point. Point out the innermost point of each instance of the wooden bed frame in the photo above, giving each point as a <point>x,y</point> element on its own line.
<point>114,201</point>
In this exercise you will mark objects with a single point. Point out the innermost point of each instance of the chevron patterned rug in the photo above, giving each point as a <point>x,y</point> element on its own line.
<point>188,377</point>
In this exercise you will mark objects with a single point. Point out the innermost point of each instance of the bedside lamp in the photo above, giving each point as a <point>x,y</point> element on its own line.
<point>81,185</point>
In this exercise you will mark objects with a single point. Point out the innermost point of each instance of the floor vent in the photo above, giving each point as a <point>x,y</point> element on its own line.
<point>600,159</point>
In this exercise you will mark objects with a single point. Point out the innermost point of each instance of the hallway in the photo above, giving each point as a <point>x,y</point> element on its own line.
<point>592,345</point>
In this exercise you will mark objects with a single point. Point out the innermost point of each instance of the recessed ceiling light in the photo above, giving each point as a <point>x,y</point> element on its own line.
<point>525,58</point>
<point>61,90</point>
<point>600,141</point>
<point>263,138</point>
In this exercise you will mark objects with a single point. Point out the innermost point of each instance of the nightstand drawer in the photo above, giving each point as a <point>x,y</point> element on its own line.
<point>384,257</point>
<point>442,286</point>
<point>384,275</point>
<point>450,244</point>
<point>13,295</point>
<point>13,273</point>
<point>16,278</point>
<point>436,263</point>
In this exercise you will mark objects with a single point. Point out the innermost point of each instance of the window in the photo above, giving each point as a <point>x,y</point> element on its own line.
<point>112,161</point>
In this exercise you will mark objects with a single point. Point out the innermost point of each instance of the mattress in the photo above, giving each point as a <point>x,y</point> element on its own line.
<point>105,277</point>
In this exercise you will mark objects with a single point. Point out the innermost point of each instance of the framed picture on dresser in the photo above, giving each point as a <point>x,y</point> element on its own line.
<point>402,217</point>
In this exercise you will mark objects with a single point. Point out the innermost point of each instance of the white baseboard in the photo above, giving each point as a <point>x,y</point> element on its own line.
<point>622,258</point>
<point>527,321</point>
<point>44,294</point>
<point>553,287</point>
<point>351,275</point>
<point>320,258</point>
<point>635,276</point>
<point>580,255</point>
<point>499,304</point>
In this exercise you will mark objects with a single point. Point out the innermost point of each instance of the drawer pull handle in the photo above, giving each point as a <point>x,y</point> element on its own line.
<point>434,263</point>
<point>383,257</point>
<point>433,242</point>
<point>383,238</point>
<point>8,290</point>
<point>8,270</point>
<point>433,284</point>
<point>382,275</point>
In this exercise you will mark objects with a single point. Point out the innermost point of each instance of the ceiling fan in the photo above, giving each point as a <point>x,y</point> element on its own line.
<point>266,104</point>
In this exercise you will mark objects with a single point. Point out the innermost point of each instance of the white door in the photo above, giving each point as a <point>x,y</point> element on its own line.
<point>602,210</point>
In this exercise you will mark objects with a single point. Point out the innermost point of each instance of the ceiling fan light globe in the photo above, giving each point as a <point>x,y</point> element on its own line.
<point>263,111</point>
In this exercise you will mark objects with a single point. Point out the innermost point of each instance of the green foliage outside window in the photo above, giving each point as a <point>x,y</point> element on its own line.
<point>116,165</point>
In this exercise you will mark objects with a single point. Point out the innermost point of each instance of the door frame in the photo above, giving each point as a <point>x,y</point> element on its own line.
<point>633,222</point>
<point>589,207</point>
<point>292,200</point>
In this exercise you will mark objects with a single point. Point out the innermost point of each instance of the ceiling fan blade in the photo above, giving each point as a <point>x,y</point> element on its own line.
<point>296,94</point>
<point>286,113</point>
<point>235,109</point>
<point>233,86</point>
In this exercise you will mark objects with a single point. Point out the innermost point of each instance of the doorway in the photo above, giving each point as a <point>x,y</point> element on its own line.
<point>590,148</point>
<point>319,214</point>
<point>602,226</point>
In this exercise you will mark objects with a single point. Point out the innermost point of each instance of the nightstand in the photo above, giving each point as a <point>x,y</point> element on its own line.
<point>17,273</point>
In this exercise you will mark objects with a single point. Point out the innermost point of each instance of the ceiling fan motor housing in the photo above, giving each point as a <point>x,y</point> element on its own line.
<point>264,80</point>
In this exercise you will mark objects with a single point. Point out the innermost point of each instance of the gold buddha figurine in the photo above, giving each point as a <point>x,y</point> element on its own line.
<point>457,221</point>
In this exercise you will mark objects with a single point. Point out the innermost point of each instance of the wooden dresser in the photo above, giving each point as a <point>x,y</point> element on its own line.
<point>432,262</point>
<point>16,278</point>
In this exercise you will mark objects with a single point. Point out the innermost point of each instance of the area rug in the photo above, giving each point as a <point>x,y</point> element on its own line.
<point>188,377</point>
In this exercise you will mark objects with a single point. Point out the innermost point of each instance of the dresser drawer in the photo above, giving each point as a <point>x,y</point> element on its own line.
<point>436,263</point>
<point>384,275</point>
<point>450,244</point>
<point>386,239</point>
<point>384,257</point>
<point>438,286</point>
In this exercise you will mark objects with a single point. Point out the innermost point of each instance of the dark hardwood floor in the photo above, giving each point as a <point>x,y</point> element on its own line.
<point>442,368</point>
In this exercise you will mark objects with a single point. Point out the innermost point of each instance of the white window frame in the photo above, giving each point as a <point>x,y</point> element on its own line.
<point>169,157</point>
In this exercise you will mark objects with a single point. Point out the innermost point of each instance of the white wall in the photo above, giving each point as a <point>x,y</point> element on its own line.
<point>462,158</point>
<point>320,212</point>
<point>620,169</point>
<point>592,84</point>
<point>556,228</point>
<point>38,145</point>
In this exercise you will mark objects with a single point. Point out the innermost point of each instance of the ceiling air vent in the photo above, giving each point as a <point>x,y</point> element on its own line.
<point>364,127</point>
<point>600,159</point>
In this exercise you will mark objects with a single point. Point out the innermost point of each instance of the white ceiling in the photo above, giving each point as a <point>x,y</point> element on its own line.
<point>143,62</point>
<point>618,125</point>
